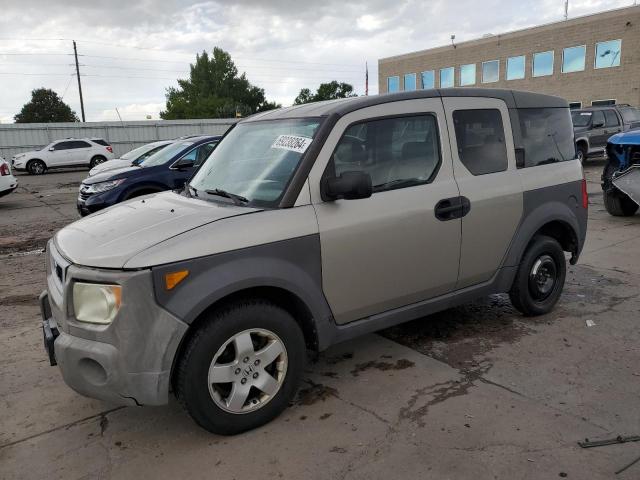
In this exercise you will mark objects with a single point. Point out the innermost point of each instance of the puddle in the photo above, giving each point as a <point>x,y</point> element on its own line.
<point>316,392</point>
<point>384,366</point>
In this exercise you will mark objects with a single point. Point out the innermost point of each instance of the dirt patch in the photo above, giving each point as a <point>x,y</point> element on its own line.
<point>324,416</point>
<point>18,300</point>
<point>315,393</point>
<point>15,244</point>
<point>384,366</point>
<point>339,358</point>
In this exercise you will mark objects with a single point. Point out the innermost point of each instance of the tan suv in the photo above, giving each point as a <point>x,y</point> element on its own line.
<point>308,226</point>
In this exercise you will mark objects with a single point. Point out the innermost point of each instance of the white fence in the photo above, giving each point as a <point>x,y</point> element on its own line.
<point>123,136</point>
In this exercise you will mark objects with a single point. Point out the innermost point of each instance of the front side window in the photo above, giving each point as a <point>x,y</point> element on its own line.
<point>491,71</point>
<point>410,81</point>
<point>256,160</point>
<point>547,135</point>
<point>428,79</point>
<point>611,119</point>
<point>543,64</point>
<point>515,68</point>
<point>608,54</point>
<point>393,84</point>
<point>447,76</point>
<point>63,146</point>
<point>396,152</point>
<point>481,140</point>
<point>598,119</point>
<point>468,74</point>
<point>573,59</point>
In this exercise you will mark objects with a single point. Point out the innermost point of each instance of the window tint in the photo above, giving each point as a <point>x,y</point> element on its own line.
<point>393,84</point>
<point>611,119</point>
<point>100,141</point>
<point>481,142</point>
<point>598,119</point>
<point>491,71</point>
<point>468,74</point>
<point>608,54</point>
<point>573,59</point>
<point>447,76</point>
<point>428,79</point>
<point>515,68</point>
<point>630,114</point>
<point>410,81</point>
<point>203,152</point>
<point>543,64</point>
<point>395,152</point>
<point>63,146</point>
<point>547,134</point>
<point>78,144</point>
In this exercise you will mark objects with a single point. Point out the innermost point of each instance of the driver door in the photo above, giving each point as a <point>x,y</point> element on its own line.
<point>389,250</point>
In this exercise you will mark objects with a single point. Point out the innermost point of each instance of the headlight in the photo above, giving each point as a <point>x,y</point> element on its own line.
<point>95,303</point>
<point>101,187</point>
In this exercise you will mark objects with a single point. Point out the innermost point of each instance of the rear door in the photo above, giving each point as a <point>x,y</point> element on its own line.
<point>484,166</point>
<point>388,250</point>
<point>81,152</point>
<point>611,124</point>
<point>597,135</point>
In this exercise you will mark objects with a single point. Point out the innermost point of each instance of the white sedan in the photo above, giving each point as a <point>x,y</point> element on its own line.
<point>8,182</point>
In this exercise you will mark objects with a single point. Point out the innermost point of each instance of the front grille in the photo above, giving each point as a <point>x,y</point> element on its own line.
<point>84,195</point>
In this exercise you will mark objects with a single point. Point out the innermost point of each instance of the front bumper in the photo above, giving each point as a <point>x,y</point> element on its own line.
<point>127,362</point>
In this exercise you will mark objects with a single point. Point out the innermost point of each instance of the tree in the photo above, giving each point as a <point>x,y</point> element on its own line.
<point>214,90</point>
<point>45,107</point>
<point>326,91</point>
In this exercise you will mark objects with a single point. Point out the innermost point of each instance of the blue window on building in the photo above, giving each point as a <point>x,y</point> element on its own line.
<point>608,54</point>
<point>490,71</point>
<point>409,81</point>
<point>543,64</point>
<point>447,76</point>
<point>515,68</point>
<point>393,84</point>
<point>428,79</point>
<point>468,74</point>
<point>573,59</point>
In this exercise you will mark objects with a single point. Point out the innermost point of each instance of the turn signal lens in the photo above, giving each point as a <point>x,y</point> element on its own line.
<point>174,278</point>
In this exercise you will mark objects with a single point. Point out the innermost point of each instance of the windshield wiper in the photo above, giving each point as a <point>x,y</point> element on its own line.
<point>191,189</point>
<point>237,199</point>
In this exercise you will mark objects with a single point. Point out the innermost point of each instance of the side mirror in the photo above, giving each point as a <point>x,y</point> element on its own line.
<point>597,125</point>
<point>349,185</point>
<point>184,164</point>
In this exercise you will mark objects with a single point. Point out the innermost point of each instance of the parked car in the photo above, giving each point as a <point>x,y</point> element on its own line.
<point>8,182</point>
<point>594,125</point>
<point>134,157</point>
<point>166,169</point>
<point>621,174</point>
<point>308,226</point>
<point>69,152</point>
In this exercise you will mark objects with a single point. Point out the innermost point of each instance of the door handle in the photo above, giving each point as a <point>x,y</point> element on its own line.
<point>452,208</point>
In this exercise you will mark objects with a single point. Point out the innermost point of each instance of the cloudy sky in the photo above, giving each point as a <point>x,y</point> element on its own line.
<point>132,50</point>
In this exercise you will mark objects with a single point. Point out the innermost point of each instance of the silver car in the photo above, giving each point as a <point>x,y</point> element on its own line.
<point>308,226</point>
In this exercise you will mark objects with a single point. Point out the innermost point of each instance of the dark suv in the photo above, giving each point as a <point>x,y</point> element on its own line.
<point>594,125</point>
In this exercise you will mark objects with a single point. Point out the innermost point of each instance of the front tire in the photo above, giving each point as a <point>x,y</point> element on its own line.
<point>540,277</point>
<point>36,167</point>
<point>616,202</point>
<point>241,368</point>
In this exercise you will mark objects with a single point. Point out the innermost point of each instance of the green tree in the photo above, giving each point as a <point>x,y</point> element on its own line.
<point>214,90</point>
<point>326,91</point>
<point>45,106</point>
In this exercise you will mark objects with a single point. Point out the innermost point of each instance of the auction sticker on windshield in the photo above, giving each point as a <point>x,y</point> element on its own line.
<point>292,142</point>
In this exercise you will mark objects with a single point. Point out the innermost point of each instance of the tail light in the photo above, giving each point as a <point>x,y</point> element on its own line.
<point>585,195</point>
<point>4,169</point>
<point>110,149</point>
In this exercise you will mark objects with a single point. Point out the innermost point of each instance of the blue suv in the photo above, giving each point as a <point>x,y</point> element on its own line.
<point>167,169</point>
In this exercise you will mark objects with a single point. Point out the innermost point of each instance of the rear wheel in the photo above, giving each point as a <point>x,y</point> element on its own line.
<point>540,277</point>
<point>36,167</point>
<point>97,160</point>
<point>581,152</point>
<point>241,368</point>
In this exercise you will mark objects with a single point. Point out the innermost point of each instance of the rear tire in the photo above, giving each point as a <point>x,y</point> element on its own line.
<point>227,347</point>
<point>97,160</point>
<point>582,152</point>
<point>540,277</point>
<point>36,167</point>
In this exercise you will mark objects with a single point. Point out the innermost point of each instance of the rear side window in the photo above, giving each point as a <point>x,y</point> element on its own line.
<point>396,152</point>
<point>481,140</point>
<point>611,119</point>
<point>547,135</point>
<point>630,114</point>
<point>100,141</point>
<point>79,144</point>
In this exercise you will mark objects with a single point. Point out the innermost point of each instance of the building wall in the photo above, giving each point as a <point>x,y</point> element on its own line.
<point>123,136</point>
<point>620,83</point>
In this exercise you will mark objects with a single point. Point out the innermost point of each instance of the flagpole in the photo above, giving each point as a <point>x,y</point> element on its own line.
<point>366,79</point>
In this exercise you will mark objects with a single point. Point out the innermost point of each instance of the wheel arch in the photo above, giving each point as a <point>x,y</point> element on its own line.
<point>142,189</point>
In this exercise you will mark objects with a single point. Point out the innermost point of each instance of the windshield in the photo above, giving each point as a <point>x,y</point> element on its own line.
<point>166,154</point>
<point>581,119</point>
<point>256,160</point>
<point>137,152</point>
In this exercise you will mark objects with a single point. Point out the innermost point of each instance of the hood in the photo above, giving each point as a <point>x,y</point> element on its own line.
<point>109,165</point>
<point>107,239</point>
<point>631,137</point>
<point>112,174</point>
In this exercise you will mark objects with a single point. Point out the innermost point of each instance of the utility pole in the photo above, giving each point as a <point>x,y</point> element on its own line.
<point>75,53</point>
<point>566,10</point>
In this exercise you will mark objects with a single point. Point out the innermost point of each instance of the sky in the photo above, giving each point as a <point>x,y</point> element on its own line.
<point>130,51</point>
